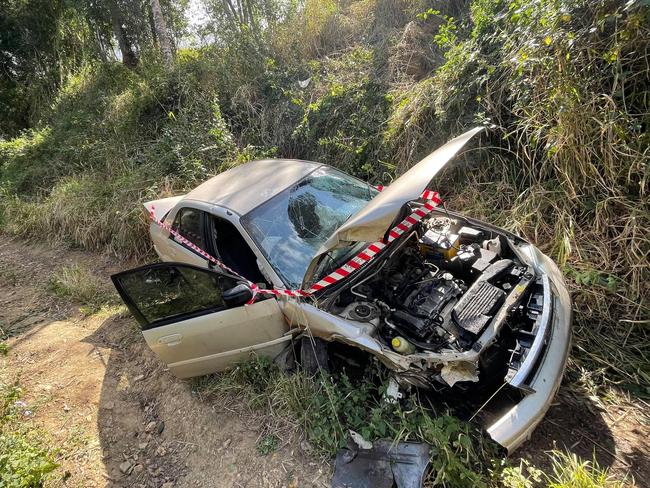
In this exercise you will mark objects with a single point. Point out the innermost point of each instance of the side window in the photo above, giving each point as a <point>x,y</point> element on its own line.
<point>164,293</point>
<point>189,223</point>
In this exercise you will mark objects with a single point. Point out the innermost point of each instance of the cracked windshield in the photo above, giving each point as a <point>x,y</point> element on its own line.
<point>291,226</point>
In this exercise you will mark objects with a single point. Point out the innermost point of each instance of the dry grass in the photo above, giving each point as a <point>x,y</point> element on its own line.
<point>565,162</point>
<point>80,284</point>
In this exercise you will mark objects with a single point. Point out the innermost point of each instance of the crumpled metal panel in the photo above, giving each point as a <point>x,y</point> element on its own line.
<point>385,465</point>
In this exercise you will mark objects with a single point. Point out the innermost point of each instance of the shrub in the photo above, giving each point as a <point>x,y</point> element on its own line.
<point>326,407</point>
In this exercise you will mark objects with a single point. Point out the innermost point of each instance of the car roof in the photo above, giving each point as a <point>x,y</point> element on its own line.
<point>248,185</point>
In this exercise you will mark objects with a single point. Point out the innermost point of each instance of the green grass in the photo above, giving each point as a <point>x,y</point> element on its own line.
<point>568,471</point>
<point>324,408</point>
<point>25,461</point>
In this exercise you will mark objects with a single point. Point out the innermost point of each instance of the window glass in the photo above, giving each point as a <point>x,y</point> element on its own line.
<point>188,224</point>
<point>290,227</point>
<point>164,291</point>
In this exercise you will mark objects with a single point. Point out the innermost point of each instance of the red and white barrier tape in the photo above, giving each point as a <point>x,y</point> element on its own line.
<point>431,198</point>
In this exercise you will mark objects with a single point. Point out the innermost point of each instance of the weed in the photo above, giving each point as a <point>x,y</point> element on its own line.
<point>24,463</point>
<point>24,460</point>
<point>326,407</point>
<point>569,471</point>
<point>523,476</point>
<point>267,444</point>
<point>4,348</point>
<point>9,395</point>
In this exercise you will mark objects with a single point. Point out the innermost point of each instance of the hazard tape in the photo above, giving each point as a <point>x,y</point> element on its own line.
<point>431,201</point>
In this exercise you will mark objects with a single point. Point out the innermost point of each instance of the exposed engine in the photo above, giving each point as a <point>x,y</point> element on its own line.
<point>439,289</point>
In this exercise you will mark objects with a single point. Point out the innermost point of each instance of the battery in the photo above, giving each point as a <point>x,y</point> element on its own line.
<point>441,244</point>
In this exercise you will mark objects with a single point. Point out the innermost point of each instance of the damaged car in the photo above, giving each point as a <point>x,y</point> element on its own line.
<point>451,304</point>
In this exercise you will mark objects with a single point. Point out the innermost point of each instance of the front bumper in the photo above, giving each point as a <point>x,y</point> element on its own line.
<point>549,361</point>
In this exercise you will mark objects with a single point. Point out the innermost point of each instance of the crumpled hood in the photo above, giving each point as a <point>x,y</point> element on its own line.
<point>371,222</point>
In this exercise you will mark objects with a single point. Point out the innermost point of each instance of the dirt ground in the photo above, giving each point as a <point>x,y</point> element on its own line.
<point>119,418</point>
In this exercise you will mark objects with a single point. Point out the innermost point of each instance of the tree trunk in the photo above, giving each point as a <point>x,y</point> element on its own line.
<point>161,33</point>
<point>129,57</point>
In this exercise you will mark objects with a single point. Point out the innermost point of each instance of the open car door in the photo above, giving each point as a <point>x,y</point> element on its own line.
<point>195,319</point>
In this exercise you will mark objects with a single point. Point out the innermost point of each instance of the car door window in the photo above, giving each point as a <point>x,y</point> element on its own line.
<point>163,293</point>
<point>189,223</point>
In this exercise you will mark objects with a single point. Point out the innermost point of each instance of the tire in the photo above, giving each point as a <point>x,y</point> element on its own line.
<point>313,355</point>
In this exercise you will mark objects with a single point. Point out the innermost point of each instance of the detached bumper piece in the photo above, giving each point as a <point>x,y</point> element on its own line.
<point>384,465</point>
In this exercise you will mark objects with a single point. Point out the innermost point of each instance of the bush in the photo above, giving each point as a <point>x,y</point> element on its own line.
<point>327,407</point>
<point>115,139</point>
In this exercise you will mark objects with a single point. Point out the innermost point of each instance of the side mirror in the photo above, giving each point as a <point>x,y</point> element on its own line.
<point>237,296</point>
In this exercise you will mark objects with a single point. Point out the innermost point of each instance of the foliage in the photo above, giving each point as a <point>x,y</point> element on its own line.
<point>571,472</point>
<point>9,395</point>
<point>24,460</point>
<point>46,41</point>
<point>327,407</point>
<point>568,471</point>
<point>115,139</point>
<point>267,445</point>
<point>339,124</point>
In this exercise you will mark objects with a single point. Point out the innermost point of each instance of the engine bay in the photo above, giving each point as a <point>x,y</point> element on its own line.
<point>440,289</point>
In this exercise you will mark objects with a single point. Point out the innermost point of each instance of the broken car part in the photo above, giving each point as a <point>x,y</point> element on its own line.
<point>381,464</point>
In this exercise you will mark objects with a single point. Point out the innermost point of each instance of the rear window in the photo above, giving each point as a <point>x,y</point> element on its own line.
<point>188,223</point>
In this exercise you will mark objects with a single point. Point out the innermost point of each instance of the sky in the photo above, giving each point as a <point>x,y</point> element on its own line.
<point>197,17</point>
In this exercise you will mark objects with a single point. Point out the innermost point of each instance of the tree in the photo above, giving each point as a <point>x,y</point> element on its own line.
<point>249,16</point>
<point>161,33</point>
<point>129,58</point>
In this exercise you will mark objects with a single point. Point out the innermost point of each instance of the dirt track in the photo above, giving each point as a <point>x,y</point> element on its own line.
<point>120,419</point>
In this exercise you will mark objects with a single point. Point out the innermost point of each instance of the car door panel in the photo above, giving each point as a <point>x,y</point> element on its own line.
<point>212,342</point>
<point>187,323</point>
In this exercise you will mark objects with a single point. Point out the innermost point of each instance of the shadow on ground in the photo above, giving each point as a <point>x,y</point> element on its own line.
<point>154,429</point>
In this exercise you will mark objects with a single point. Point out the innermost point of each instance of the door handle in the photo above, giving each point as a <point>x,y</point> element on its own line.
<point>171,340</point>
